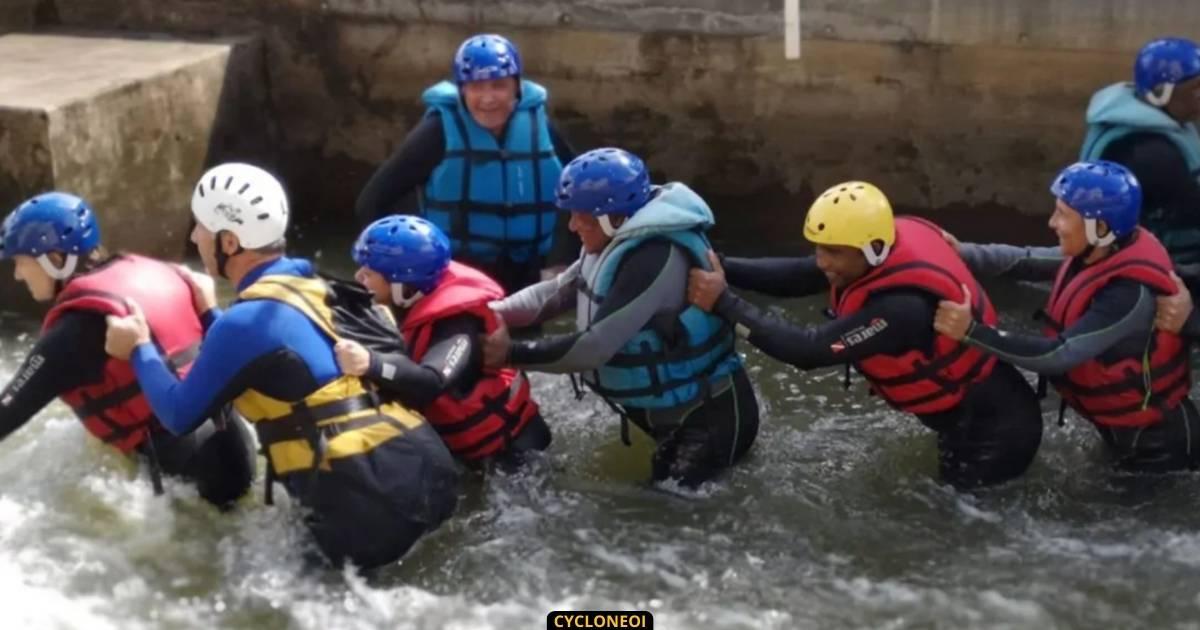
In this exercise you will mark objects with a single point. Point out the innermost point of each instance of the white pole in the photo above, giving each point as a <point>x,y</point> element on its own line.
<point>791,29</point>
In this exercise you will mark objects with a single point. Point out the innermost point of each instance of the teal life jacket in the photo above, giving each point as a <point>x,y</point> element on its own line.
<point>495,201</point>
<point>1116,112</point>
<point>677,357</point>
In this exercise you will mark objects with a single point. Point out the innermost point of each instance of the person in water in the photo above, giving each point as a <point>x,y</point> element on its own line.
<point>885,276</point>
<point>53,240</point>
<point>1148,126</point>
<point>483,415</point>
<point>665,366</point>
<point>1099,345</point>
<point>484,161</point>
<point>373,474</point>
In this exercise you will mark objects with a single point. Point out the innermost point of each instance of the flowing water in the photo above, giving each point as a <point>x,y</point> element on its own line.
<point>836,520</point>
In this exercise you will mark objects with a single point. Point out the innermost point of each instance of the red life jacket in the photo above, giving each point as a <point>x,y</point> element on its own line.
<point>929,380</point>
<point>1121,392</point>
<point>114,409</point>
<point>499,406</point>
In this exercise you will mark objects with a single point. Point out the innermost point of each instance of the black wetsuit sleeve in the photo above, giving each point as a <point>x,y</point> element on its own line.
<point>1015,262</point>
<point>453,362</point>
<point>891,322</point>
<point>566,245</point>
<point>1120,310</point>
<point>650,281</point>
<point>67,356</point>
<point>406,170</point>
<point>779,277</point>
<point>1163,173</point>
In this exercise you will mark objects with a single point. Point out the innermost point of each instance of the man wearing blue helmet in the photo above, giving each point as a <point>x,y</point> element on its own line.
<point>54,241</point>
<point>1148,126</point>
<point>482,415</point>
<point>668,367</point>
<point>1100,348</point>
<point>372,473</point>
<point>484,161</point>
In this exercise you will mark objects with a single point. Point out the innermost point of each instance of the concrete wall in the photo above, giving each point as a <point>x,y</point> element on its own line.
<point>127,124</point>
<point>947,104</point>
<point>17,15</point>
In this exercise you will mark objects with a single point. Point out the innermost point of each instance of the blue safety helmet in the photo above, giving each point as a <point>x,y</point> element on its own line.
<point>484,57</point>
<point>50,222</point>
<point>1166,61</point>
<point>604,181</point>
<point>404,249</point>
<point>1104,191</point>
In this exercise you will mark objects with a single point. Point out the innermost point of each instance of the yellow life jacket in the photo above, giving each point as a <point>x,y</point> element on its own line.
<point>341,419</point>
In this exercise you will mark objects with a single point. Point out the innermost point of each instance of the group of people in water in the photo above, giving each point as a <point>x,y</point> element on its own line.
<point>368,398</point>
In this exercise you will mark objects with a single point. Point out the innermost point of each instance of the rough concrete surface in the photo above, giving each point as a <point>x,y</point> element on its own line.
<point>127,124</point>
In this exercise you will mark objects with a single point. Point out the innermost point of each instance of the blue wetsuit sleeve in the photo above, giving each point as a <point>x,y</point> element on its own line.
<point>246,333</point>
<point>1118,311</point>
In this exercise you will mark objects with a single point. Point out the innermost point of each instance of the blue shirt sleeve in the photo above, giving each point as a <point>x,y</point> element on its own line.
<point>244,334</point>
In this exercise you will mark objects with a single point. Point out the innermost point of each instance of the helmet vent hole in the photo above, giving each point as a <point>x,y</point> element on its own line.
<point>255,201</point>
<point>67,231</point>
<point>212,183</point>
<point>264,216</point>
<point>244,188</point>
<point>200,190</point>
<point>853,198</point>
<point>820,227</point>
<point>835,200</point>
<point>228,182</point>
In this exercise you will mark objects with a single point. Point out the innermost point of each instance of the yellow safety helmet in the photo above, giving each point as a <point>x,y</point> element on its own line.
<point>853,214</point>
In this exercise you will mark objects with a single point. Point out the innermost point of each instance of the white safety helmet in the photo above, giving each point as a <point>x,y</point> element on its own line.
<point>243,199</point>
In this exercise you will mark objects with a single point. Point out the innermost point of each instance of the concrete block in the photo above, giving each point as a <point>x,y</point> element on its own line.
<point>128,124</point>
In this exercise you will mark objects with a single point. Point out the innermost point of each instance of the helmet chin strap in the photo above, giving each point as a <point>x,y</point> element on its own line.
<point>398,296</point>
<point>58,273</point>
<point>1093,238</point>
<point>221,256</point>
<point>875,259</point>
<point>1161,95</point>
<point>606,226</point>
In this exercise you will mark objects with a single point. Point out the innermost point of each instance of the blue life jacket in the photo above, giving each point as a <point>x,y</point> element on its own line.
<point>1116,112</point>
<point>673,360</point>
<point>494,202</point>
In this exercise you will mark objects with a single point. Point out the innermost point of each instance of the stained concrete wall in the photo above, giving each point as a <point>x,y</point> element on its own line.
<point>947,104</point>
<point>17,15</point>
<point>127,124</point>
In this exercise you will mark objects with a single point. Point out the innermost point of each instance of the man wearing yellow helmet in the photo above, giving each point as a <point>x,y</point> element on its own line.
<point>886,276</point>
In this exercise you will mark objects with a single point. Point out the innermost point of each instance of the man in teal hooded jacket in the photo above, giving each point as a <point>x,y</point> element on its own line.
<point>668,367</point>
<point>1147,126</point>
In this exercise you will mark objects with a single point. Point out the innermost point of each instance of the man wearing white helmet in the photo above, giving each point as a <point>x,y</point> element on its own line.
<point>374,475</point>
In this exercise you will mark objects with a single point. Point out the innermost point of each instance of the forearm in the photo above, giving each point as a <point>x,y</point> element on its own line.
<point>539,302</point>
<point>779,277</point>
<point>877,329</point>
<point>1054,356</point>
<point>413,384</point>
<point>1012,261</point>
<point>178,407</point>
